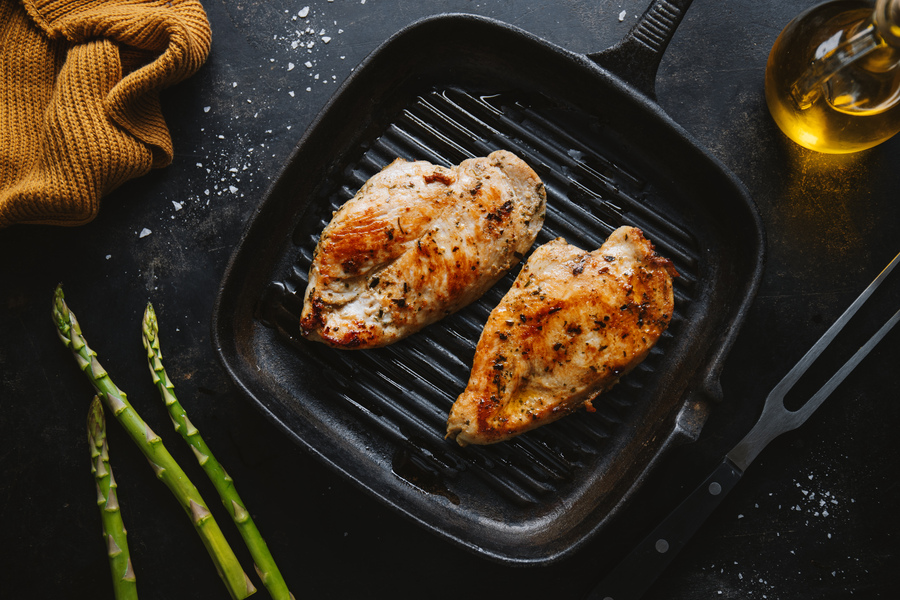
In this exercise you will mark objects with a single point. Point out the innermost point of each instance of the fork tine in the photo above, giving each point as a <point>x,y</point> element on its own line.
<point>813,353</point>
<point>775,418</point>
<point>819,397</point>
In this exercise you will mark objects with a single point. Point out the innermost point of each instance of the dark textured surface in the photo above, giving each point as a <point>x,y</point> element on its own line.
<point>832,224</point>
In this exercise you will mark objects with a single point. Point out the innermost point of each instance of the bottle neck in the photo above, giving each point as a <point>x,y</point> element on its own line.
<point>886,19</point>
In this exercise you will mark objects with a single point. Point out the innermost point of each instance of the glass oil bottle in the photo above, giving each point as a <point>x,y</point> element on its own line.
<point>833,76</point>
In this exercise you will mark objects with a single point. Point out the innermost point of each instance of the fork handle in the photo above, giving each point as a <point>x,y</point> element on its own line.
<point>637,572</point>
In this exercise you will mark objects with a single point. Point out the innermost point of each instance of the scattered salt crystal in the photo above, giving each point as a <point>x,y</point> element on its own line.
<point>740,516</point>
<point>206,191</point>
<point>108,256</point>
<point>234,84</point>
<point>199,164</point>
<point>232,189</point>
<point>294,44</point>
<point>622,18</point>
<point>145,232</point>
<point>290,66</point>
<point>291,93</point>
<point>309,89</point>
<point>303,12</point>
<point>308,65</point>
<point>177,205</point>
<point>326,39</point>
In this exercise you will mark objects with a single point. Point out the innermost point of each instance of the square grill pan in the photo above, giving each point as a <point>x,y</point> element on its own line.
<point>446,89</point>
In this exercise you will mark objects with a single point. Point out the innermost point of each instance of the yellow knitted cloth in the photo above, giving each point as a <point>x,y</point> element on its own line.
<point>79,98</point>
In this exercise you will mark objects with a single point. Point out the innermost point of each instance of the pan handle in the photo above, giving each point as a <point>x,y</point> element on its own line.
<point>636,58</point>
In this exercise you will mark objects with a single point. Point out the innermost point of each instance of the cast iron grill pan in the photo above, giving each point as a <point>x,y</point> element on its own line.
<point>443,90</point>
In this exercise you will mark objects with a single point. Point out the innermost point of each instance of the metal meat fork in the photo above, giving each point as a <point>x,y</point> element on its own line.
<point>634,575</point>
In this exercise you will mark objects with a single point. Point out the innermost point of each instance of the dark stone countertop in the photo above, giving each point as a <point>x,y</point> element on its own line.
<point>815,517</point>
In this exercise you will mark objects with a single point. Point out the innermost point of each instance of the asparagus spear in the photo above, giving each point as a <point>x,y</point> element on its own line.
<point>263,561</point>
<point>124,585</point>
<point>165,467</point>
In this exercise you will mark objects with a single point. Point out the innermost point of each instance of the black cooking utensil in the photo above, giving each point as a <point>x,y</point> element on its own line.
<point>444,89</point>
<point>643,565</point>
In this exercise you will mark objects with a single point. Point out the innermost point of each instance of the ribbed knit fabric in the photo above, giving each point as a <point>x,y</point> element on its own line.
<point>79,98</point>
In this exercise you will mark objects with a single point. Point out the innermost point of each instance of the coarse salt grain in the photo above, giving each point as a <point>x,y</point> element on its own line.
<point>144,232</point>
<point>303,12</point>
<point>622,18</point>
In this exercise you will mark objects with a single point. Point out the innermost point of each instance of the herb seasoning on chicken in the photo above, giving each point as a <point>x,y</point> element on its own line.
<point>573,323</point>
<point>419,242</point>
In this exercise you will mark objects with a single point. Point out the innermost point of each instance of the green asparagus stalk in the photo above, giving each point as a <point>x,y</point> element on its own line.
<point>114,536</point>
<point>263,561</point>
<point>165,467</point>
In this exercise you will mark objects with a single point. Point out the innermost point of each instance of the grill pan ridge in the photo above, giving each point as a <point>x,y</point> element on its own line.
<point>379,416</point>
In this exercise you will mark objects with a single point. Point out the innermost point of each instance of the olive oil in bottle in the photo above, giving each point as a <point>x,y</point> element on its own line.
<point>833,76</point>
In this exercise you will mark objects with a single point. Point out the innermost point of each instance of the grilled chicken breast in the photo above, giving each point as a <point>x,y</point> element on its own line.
<point>419,242</point>
<point>573,323</point>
